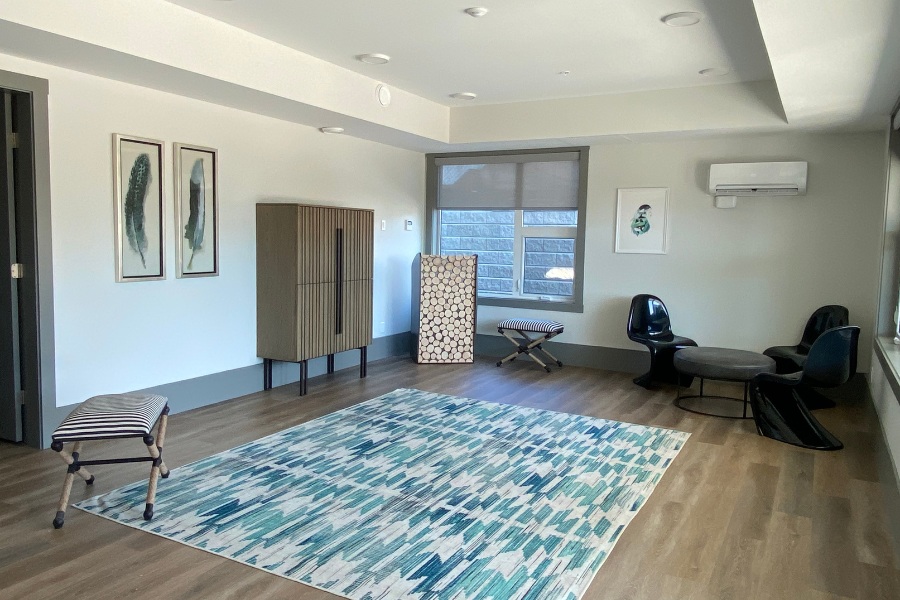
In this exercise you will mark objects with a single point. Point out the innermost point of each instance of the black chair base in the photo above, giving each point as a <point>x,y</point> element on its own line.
<point>662,370</point>
<point>781,414</point>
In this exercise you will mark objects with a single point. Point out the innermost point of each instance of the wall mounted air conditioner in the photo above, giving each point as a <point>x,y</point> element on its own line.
<point>730,181</point>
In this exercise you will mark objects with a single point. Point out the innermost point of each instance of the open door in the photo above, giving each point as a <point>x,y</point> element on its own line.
<point>11,397</point>
<point>19,371</point>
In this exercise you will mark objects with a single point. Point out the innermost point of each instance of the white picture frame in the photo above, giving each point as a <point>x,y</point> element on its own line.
<point>196,179</point>
<point>642,220</point>
<point>138,173</point>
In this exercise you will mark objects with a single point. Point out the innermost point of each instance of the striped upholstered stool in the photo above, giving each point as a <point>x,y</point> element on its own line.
<point>109,417</point>
<point>528,344</point>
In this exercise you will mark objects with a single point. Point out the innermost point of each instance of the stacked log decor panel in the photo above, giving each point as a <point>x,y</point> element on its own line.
<point>313,284</point>
<point>445,289</point>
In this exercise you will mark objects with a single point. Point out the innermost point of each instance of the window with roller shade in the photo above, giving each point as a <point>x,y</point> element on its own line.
<point>522,213</point>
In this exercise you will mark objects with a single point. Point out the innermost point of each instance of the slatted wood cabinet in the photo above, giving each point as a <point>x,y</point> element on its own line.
<point>313,284</point>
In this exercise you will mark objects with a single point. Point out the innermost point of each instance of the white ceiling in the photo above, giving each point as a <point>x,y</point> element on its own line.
<point>516,52</point>
<point>794,64</point>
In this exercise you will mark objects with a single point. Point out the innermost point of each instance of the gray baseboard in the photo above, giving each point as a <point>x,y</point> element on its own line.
<point>595,357</point>
<point>217,387</point>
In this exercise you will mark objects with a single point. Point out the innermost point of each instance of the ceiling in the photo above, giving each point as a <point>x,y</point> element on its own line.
<point>517,51</point>
<point>829,65</point>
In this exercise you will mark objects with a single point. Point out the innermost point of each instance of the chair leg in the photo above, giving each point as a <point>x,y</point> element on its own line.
<point>526,346</point>
<point>159,468</point>
<point>645,380</point>
<point>553,358</point>
<point>662,370</point>
<point>160,439</point>
<point>73,467</point>
<point>781,414</point>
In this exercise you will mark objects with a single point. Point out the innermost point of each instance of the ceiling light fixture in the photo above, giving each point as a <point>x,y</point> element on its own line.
<point>373,59</point>
<point>331,129</point>
<point>564,73</point>
<point>682,19</point>
<point>464,95</point>
<point>714,72</point>
<point>476,11</point>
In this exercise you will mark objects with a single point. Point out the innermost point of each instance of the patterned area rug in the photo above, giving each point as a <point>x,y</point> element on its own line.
<point>417,495</point>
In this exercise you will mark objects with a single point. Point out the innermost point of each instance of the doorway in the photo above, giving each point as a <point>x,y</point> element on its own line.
<point>16,202</point>
<point>27,362</point>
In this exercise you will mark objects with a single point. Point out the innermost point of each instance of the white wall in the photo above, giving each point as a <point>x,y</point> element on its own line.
<point>744,278</point>
<point>124,336</point>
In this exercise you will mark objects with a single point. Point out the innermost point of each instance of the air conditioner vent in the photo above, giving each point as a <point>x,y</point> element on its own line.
<point>758,179</point>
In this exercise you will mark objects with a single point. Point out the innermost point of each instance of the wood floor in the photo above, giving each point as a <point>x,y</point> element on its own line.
<point>736,516</point>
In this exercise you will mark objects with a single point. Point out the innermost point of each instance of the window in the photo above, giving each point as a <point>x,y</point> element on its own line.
<point>522,213</point>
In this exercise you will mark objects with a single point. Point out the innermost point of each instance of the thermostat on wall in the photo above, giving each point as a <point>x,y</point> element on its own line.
<point>407,224</point>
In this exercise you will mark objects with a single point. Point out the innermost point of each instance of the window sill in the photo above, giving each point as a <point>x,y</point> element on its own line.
<point>549,305</point>
<point>888,354</point>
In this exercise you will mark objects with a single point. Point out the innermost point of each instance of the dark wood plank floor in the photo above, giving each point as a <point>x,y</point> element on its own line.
<point>736,516</point>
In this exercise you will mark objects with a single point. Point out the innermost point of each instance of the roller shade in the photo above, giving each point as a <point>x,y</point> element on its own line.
<point>504,182</point>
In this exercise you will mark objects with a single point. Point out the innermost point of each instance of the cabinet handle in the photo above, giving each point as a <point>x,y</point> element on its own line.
<point>339,281</point>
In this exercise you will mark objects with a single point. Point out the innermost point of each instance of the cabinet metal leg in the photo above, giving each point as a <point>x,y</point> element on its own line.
<point>304,375</point>
<point>363,360</point>
<point>267,373</point>
<point>330,363</point>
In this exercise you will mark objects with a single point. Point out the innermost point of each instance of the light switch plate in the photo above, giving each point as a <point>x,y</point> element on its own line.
<point>408,225</point>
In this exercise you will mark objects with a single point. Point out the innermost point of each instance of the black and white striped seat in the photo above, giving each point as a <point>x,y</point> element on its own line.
<point>111,416</point>
<point>532,325</point>
<point>529,344</point>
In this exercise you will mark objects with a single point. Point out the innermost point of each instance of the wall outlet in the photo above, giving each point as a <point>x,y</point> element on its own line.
<point>381,328</point>
<point>408,224</point>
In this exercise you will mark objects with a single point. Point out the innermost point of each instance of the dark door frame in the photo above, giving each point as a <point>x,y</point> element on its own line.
<point>38,349</point>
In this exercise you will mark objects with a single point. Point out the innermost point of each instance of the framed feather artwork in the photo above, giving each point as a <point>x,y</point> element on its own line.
<point>642,220</point>
<point>196,211</point>
<point>139,213</point>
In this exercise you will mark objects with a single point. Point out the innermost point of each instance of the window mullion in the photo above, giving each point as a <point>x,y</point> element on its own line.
<point>519,254</point>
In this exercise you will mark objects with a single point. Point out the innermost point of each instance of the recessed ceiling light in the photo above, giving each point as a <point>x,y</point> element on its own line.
<point>464,95</point>
<point>331,129</point>
<point>714,72</point>
<point>476,11</point>
<point>374,59</point>
<point>682,19</point>
<point>564,73</point>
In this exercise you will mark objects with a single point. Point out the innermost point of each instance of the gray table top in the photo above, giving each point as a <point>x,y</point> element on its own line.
<point>722,363</point>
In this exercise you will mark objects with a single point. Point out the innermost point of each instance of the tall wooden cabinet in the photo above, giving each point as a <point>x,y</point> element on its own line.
<point>313,284</point>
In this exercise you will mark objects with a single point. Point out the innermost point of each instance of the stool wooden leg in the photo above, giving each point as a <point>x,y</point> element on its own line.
<point>154,447</point>
<point>154,476</point>
<point>74,467</point>
<point>160,439</point>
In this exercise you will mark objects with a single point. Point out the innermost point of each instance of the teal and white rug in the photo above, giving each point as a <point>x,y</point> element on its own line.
<point>417,495</point>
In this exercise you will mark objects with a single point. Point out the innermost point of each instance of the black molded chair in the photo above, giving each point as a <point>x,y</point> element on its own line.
<point>779,410</point>
<point>790,359</point>
<point>649,324</point>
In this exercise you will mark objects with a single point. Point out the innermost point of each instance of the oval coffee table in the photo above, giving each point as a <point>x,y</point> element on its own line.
<point>720,364</point>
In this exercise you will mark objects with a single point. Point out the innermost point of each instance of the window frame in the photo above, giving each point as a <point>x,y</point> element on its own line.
<point>574,303</point>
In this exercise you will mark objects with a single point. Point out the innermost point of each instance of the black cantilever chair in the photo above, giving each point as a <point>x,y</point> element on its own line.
<point>790,359</point>
<point>780,411</point>
<point>649,324</point>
